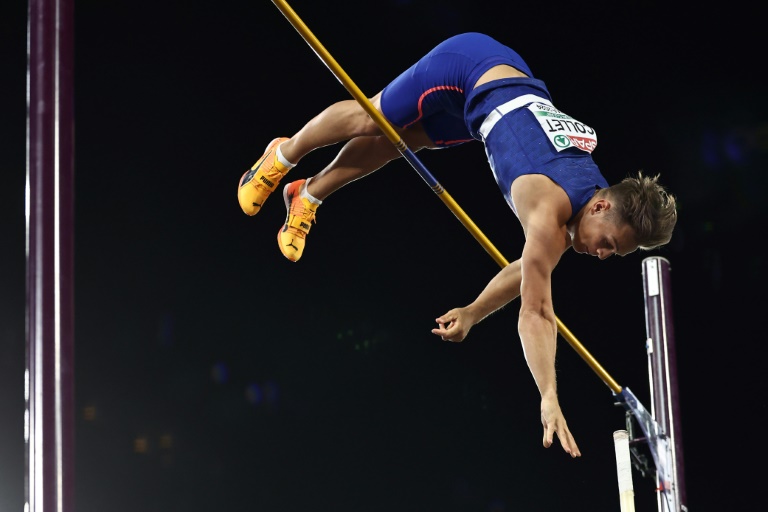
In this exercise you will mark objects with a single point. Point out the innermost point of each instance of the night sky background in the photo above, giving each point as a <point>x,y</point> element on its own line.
<point>214,374</point>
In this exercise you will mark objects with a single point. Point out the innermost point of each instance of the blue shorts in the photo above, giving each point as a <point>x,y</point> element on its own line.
<point>435,89</point>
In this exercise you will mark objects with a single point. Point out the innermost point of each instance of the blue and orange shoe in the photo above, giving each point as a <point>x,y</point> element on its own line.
<point>262,179</point>
<point>301,214</point>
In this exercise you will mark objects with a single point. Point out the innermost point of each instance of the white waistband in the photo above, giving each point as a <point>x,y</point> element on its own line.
<point>506,108</point>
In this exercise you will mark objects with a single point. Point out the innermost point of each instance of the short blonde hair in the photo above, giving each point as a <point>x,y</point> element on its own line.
<point>644,204</point>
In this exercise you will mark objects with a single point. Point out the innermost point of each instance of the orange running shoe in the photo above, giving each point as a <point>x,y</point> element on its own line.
<point>261,180</point>
<point>301,214</point>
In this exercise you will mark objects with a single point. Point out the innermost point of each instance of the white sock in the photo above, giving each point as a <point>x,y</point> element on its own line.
<point>282,159</point>
<point>303,193</point>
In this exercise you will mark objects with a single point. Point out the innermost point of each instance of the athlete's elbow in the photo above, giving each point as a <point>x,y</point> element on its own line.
<point>532,318</point>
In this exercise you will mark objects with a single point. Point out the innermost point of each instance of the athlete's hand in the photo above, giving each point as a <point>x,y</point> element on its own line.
<point>552,420</point>
<point>454,325</point>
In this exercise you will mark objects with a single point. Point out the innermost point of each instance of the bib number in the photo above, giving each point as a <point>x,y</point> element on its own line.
<point>562,130</point>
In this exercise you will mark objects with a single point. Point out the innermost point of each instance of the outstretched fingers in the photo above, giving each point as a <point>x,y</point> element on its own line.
<point>566,440</point>
<point>553,421</point>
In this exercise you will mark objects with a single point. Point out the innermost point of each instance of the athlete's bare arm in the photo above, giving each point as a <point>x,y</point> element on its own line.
<point>543,209</point>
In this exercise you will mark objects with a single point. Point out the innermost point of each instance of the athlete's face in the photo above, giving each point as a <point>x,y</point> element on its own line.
<point>598,235</point>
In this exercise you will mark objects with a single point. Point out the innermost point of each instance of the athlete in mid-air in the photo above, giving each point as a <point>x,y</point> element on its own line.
<point>471,87</point>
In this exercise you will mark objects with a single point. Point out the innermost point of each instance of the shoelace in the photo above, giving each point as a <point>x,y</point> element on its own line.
<point>271,174</point>
<point>299,210</point>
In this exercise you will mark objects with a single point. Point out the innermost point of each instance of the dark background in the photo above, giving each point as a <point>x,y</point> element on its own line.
<point>213,374</point>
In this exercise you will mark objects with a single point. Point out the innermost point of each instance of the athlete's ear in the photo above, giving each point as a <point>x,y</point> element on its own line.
<point>601,205</point>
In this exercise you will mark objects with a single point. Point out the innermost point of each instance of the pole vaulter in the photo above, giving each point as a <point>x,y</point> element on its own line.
<point>655,435</point>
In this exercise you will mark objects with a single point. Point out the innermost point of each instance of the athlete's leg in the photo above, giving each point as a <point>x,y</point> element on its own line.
<point>341,121</point>
<point>367,149</point>
<point>360,157</point>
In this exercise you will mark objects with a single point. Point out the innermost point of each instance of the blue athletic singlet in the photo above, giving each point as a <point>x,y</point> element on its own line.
<point>527,135</point>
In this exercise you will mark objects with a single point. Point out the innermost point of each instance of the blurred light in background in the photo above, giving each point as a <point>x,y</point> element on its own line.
<point>220,373</point>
